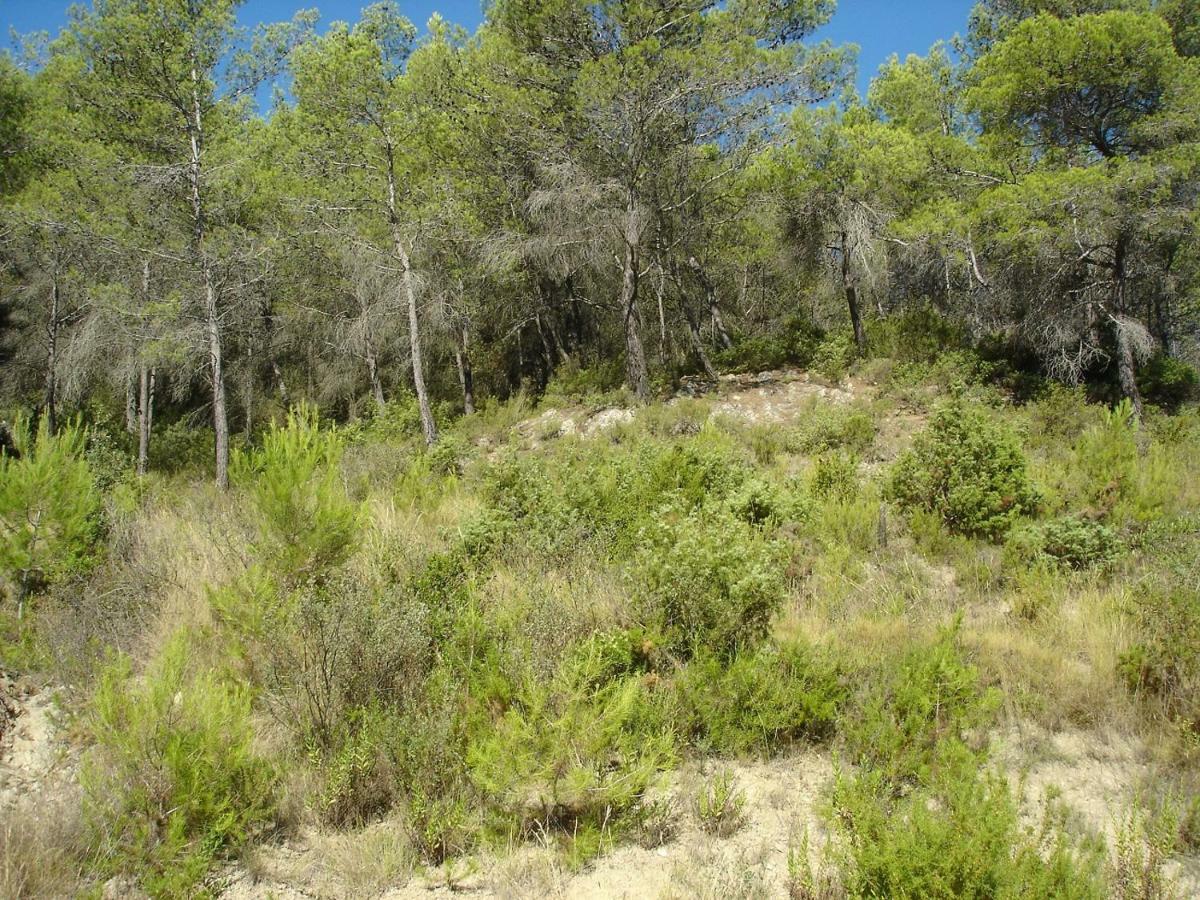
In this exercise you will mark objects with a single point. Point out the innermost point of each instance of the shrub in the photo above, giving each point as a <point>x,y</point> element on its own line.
<point>765,504</point>
<point>307,523</point>
<point>793,343</point>
<point>923,816</point>
<point>449,455</point>
<point>711,582</point>
<point>835,477</point>
<point>173,782</point>
<point>1168,381</point>
<point>1107,458</point>
<point>720,805</point>
<point>762,701</point>
<point>49,507</point>
<point>180,447</point>
<point>826,427</point>
<point>834,355</point>
<point>1164,661</point>
<point>923,710</point>
<point>568,757</point>
<point>959,836</point>
<point>1068,541</point>
<point>920,334</point>
<point>968,469</point>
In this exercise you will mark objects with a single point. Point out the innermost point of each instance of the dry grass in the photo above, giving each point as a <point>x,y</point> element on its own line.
<point>42,848</point>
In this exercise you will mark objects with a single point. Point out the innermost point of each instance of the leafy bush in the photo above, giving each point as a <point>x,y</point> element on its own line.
<point>765,504</point>
<point>1068,541</point>
<point>968,469</point>
<point>923,816</point>
<point>924,709</point>
<point>181,447</point>
<point>762,701</point>
<point>794,343</point>
<point>307,522</point>
<point>834,355</point>
<point>1168,381</point>
<point>49,507</point>
<point>569,756</point>
<point>173,782</point>
<point>1164,662</point>
<point>720,804</point>
<point>711,581</point>
<point>960,836</point>
<point>828,426</point>
<point>835,476</point>
<point>919,334</point>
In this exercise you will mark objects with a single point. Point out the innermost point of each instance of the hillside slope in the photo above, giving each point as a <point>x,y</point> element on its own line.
<point>776,637</point>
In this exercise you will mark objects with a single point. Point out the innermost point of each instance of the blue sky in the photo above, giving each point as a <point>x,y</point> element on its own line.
<point>879,27</point>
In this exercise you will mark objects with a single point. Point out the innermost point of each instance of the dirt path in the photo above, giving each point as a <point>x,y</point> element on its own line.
<point>30,756</point>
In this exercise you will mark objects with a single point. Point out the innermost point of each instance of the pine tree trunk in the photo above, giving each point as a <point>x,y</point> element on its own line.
<point>710,298</point>
<point>1126,364</point>
<point>50,389</point>
<point>428,427</point>
<point>212,320</point>
<point>1127,372</point>
<point>635,355</point>
<point>145,395</point>
<point>698,341</point>
<point>373,374</point>
<point>466,379</point>
<point>131,404</point>
<point>414,331</point>
<point>860,337</point>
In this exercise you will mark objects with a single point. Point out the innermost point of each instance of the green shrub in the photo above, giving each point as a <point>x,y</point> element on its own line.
<point>173,782</point>
<point>968,469</point>
<point>923,815</point>
<point>1168,381</point>
<point>1067,541</point>
<point>719,805</point>
<point>49,508</point>
<point>834,355</point>
<point>767,505</point>
<point>1164,661</point>
<point>918,335</point>
<point>959,836</point>
<point>710,581</point>
<point>907,722</point>
<point>449,455</point>
<point>762,701</point>
<point>568,756</point>
<point>794,343</point>
<point>828,426</point>
<point>307,523</point>
<point>572,384</point>
<point>181,447</point>
<point>1106,457</point>
<point>835,476</point>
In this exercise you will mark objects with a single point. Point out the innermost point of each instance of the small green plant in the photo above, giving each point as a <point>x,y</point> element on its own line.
<point>1068,541</point>
<point>1168,381</point>
<point>833,355</point>
<point>761,701</point>
<point>720,805</point>
<point>1164,662</point>
<point>968,469</point>
<point>711,581</point>
<point>174,781</point>
<point>1145,841</point>
<point>835,477</point>
<point>307,523</point>
<point>49,507</point>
